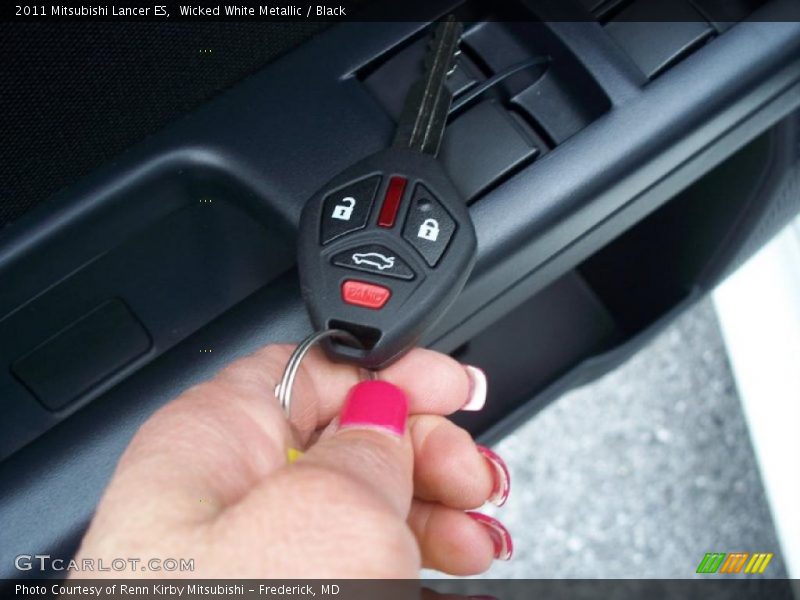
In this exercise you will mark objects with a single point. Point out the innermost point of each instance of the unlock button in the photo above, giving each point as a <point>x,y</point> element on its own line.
<point>347,209</point>
<point>429,227</point>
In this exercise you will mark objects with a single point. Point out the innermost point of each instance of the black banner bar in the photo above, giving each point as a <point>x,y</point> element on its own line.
<point>712,588</point>
<point>397,10</point>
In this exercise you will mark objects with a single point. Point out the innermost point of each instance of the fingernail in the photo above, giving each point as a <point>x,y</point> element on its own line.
<point>503,546</point>
<point>375,405</point>
<point>476,397</point>
<point>502,478</point>
<point>292,454</point>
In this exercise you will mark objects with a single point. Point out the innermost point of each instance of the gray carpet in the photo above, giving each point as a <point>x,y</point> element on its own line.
<point>640,473</point>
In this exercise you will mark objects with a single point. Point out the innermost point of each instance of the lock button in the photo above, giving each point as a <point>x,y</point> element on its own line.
<point>429,227</point>
<point>347,209</point>
<point>429,230</point>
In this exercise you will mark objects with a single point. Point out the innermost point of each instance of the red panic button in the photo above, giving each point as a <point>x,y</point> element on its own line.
<point>364,294</point>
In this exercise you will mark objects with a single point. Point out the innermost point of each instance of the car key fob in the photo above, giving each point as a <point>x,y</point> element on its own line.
<point>386,246</point>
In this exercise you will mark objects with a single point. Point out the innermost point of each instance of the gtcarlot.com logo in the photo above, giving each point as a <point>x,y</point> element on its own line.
<point>45,563</point>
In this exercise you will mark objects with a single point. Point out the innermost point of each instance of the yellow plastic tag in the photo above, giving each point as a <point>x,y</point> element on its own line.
<point>292,454</point>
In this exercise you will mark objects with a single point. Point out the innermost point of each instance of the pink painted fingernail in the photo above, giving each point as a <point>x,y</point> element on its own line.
<point>476,396</point>
<point>502,478</point>
<point>503,546</point>
<point>375,405</point>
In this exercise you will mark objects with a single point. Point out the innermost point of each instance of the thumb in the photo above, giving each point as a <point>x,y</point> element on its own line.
<point>371,444</point>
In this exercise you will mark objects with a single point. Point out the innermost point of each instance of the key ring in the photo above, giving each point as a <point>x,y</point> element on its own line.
<point>283,391</point>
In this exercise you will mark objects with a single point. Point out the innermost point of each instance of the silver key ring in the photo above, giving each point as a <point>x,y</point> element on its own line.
<point>283,391</point>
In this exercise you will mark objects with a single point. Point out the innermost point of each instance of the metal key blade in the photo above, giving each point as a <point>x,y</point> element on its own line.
<point>424,115</point>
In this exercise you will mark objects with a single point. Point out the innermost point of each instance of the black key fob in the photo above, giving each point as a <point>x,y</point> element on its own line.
<point>384,249</point>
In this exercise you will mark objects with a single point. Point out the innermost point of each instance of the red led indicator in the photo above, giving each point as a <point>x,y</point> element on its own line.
<point>391,202</point>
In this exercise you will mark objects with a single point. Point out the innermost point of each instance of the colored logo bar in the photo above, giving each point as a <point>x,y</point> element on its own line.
<point>732,563</point>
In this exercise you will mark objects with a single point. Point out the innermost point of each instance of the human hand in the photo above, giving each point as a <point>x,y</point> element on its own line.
<point>376,493</point>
